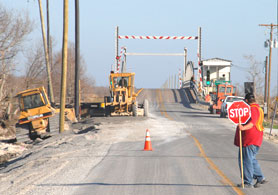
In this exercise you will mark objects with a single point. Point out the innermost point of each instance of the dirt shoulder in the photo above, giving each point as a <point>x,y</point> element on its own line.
<point>273,137</point>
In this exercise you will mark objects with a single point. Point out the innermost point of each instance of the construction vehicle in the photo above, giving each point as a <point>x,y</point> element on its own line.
<point>35,111</point>
<point>222,89</point>
<point>122,99</point>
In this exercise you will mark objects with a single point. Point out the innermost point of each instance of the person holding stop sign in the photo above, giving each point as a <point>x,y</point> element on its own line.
<point>252,137</point>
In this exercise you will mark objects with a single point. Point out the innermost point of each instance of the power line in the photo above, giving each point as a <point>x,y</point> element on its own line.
<point>240,67</point>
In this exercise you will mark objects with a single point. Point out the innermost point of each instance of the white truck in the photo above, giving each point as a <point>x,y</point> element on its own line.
<point>227,102</point>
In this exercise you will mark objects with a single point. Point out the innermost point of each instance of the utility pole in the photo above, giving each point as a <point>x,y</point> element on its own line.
<point>200,67</point>
<point>49,42</point>
<point>64,68</point>
<point>269,69</point>
<point>124,61</point>
<point>77,62</point>
<point>116,47</point>
<point>173,80</point>
<point>185,63</point>
<point>48,27</point>
<point>265,81</point>
<point>46,55</point>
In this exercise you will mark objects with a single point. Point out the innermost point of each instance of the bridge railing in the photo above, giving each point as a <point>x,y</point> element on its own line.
<point>190,84</point>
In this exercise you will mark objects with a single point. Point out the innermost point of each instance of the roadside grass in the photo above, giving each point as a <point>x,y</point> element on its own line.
<point>268,124</point>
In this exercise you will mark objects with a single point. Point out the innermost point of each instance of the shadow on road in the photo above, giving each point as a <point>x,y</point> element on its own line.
<point>6,164</point>
<point>192,113</point>
<point>91,128</point>
<point>186,99</point>
<point>133,184</point>
<point>175,95</point>
<point>201,115</point>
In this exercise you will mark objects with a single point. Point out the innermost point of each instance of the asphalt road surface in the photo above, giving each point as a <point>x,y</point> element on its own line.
<point>199,158</point>
<point>193,153</point>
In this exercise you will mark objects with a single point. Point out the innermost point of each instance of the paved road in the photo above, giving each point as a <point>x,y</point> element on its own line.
<point>202,161</point>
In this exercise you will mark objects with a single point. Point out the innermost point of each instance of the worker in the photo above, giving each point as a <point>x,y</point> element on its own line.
<point>192,83</point>
<point>252,137</point>
<point>123,82</point>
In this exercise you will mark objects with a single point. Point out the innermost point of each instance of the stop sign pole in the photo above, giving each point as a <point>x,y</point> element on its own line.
<point>240,151</point>
<point>239,112</point>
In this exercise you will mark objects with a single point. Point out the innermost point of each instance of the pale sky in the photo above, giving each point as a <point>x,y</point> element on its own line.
<point>230,30</point>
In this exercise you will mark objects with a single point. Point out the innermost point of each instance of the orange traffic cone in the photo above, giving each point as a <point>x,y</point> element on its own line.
<point>148,144</point>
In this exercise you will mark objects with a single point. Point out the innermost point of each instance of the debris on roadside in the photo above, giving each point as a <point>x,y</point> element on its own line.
<point>9,113</point>
<point>273,137</point>
<point>9,151</point>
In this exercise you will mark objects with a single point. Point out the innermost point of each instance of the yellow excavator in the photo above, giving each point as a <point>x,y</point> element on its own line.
<point>122,99</point>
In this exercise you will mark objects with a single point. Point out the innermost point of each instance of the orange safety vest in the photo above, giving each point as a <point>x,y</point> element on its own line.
<point>259,123</point>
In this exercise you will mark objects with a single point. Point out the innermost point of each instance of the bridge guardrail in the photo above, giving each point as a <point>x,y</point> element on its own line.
<point>193,86</point>
<point>190,84</point>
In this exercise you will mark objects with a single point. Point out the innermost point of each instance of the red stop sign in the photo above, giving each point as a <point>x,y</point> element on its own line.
<point>239,109</point>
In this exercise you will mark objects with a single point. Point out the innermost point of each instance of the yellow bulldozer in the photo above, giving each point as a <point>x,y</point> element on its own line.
<point>122,99</point>
<point>36,111</point>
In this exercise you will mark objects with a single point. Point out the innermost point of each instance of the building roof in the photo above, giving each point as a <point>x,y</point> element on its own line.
<point>217,62</point>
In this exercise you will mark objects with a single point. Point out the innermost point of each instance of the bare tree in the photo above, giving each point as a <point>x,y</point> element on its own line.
<point>85,82</point>
<point>255,74</point>
<point>35,74</point>
<point>87,88</point>
<point>34,69</point>
<point>13,31</point>
<point>239,89</point>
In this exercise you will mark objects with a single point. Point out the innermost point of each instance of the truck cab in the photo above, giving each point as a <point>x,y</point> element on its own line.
<point>221,91</point>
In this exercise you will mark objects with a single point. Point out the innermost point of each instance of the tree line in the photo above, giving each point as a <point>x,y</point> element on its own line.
<point>18,55</point>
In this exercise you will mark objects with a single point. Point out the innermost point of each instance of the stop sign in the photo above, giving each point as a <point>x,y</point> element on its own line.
<point>239,109</point>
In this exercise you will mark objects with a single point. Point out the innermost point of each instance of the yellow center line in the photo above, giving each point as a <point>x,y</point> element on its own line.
<point>214,167</point>
<point>161,105</point>
<point>198,144</point>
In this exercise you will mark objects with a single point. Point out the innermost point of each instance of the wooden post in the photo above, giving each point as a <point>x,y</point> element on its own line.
<point>77,62</point>
<point>269,73</point>
<point>265,82</point>
<point>64,69</point>
<point>184,64</point>
<point>46,55</point>
<point>116,47</point>
<point>269,65</point>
